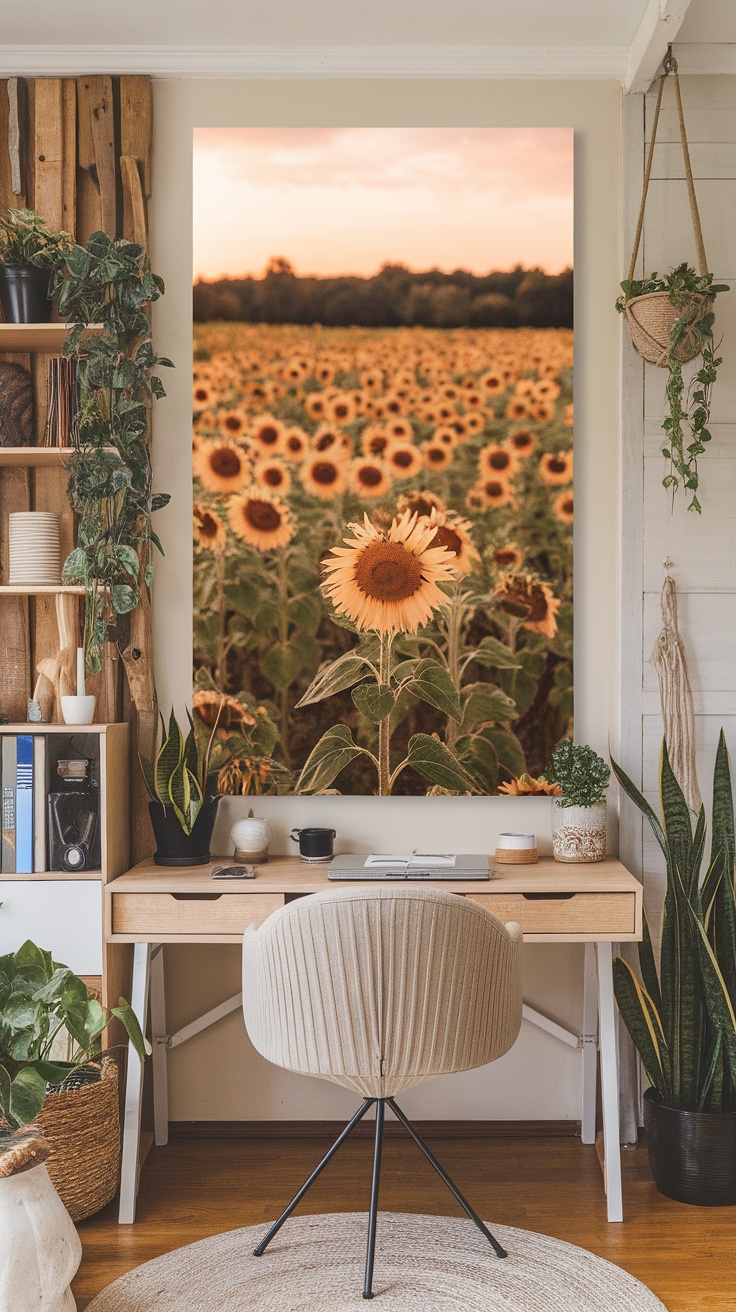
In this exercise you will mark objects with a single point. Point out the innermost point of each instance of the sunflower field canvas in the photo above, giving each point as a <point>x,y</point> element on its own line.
<point>383,457</point>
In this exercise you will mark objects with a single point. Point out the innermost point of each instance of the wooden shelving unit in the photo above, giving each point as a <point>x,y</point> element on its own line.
<point>47,337</point>
<point>41,590</point>
<point>34,457</point>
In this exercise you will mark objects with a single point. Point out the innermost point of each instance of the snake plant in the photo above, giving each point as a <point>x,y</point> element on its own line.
<point>680,1013</point>
<point>178,774</point>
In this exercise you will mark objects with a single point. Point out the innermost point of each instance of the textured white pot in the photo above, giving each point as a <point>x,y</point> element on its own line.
<point>39,1248</point>
<point>579,832</point>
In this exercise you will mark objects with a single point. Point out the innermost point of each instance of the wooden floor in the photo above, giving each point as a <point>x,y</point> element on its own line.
<point>199,1187</point>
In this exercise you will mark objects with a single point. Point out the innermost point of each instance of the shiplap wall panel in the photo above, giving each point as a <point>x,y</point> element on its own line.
<point>701,549</point>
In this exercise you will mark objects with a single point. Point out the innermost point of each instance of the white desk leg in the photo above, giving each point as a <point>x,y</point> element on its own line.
<point>134,1089</point>
<point>609,1081</point>
<point>590,1047</point>
<point>160,1054</point>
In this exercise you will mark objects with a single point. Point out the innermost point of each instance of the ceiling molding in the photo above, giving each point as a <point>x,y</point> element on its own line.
<point>659,26</point>
<point>319,61</point>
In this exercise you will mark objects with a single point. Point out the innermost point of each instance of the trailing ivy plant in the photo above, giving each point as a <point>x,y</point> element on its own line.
<point>110,282</point>
<point>685,425</point>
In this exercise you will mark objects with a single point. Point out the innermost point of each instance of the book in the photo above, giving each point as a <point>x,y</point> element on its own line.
<point>39,803</point>
<point>24,805</point>
<point>7,853</point>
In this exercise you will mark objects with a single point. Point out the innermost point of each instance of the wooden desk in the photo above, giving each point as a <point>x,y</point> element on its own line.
<point>150,906</point>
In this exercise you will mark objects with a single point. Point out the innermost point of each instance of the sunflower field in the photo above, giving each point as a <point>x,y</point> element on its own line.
<point>382,555</point>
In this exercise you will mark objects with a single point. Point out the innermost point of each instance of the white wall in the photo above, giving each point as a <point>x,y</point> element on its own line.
<point>701,548</point>
<point>217,1075</point>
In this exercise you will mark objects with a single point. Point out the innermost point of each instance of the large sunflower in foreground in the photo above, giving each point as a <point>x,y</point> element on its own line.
<point>388,581</point>
<point>260,519</point>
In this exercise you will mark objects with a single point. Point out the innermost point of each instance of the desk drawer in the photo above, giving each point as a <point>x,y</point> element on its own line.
<point>191,913</point>
<point>582,913</point>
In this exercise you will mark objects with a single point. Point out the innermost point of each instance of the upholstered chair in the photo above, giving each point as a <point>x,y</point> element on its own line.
<point>377,989</point>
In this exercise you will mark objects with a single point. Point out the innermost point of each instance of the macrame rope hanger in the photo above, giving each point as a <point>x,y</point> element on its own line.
<point>675,694</point>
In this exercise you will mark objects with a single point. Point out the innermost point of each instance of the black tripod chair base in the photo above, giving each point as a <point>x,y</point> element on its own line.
<point>375,1184</point>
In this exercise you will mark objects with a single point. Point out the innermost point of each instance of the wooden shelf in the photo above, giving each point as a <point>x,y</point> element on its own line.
<point>54,728</point>
<point>55,875</point>
<point>43,457</point>
<point>48,337</point>
<point>41,589</point>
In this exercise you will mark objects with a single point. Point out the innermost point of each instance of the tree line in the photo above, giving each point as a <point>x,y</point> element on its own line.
<point>393,297</point>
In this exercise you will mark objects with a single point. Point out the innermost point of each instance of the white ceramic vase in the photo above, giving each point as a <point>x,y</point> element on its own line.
<point>40,1250</point>
<point>578,832</point>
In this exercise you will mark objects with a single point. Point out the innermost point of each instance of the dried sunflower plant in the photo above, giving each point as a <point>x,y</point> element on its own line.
<point>383,555</point>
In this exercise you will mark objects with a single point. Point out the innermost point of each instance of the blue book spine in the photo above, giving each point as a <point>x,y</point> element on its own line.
<point>24,806</point>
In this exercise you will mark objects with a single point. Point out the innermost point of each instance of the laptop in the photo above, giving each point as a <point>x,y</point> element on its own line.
<point>415,866</point>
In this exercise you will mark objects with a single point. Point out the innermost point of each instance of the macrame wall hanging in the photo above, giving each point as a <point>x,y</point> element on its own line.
<point>676,698</point>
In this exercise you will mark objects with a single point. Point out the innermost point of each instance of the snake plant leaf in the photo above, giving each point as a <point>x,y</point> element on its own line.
<point>711,1093</point>
<point>722,922</point>
<point>720,1005</point>
<point>640,1017</point>
<point>169,757</point>
<point>148,778</point>
<point>677,822</point>
<point>633,792</point>
<point>648,966</point>
<point>328,757</point>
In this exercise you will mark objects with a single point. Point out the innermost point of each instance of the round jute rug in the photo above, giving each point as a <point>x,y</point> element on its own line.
<point>423,1264</point>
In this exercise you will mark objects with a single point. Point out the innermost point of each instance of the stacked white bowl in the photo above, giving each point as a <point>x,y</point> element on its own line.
<point>35,551</point>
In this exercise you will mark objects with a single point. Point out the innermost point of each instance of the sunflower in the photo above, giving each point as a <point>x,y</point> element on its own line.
<point>474,500</point>
<point>525,785</point>
<point>394,404</point>
<point>529,601</point>
<point>543,411</point>
<point>324,373</point>
<point>475,423</point>
<point>209,529</point>
<point>221,466</point>
<point>473,400</point>
<point>509,557</point>
<point>271,472</point>
<point>522,441</point>
<point>342,408</point>
<point>232,423</point>
<point>455,534</point>
<point>492,383</point>
<point>556,470</point>
<point>202,395</point>
<point>370,478</point>
<point>496,461</point>
<point>436,456</point>
<point>403,459</point>
<point>517,408</point>
<point>295,445</point>
<point>324,476</point>
<point>316,405</point>
<point>269,434</point>
<point>261,519</point>
<point>232,714</point>
<point>420,503</point>
<point>388,581</point>
<point>400,430</point>
<point>445,436</point>
<point>332,440</point>
<point>495,492</point>
<point>374,439</point>
<point>563,506</point>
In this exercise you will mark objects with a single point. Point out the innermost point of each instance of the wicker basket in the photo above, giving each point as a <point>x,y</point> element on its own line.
<point>650,319</point>
<point>82,1129</point>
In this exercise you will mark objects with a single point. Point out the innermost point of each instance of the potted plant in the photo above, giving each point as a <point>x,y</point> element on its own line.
<point>183,793</point>
<point>579,815</point>
<point>74,1101</point>
<point>681,1012</point>
<point>671,322</point>
<point>29,253</point>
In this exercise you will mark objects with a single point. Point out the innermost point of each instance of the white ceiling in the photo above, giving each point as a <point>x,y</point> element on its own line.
<point>552,23</point>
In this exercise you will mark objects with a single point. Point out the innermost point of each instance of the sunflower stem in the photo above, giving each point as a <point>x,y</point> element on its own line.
<point>221,620</point>
<point>384,725</point>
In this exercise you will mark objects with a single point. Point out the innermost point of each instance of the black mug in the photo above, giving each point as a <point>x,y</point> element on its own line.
<point>314,844</point>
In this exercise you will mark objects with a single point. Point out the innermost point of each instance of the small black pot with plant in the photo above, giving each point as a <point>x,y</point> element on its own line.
<point>184,797</point>
<point>680,1011</point>
<point>29,253</point>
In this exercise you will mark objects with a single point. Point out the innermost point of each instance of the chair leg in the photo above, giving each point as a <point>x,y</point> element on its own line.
<point>498,1250</point>
<point>260,1250</point>
<point>373,1213</point>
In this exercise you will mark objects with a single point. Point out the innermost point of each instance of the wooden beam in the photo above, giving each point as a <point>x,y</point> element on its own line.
<point>661,22</point>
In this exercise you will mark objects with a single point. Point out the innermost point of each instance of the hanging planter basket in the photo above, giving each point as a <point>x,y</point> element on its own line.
<point>652,316</point>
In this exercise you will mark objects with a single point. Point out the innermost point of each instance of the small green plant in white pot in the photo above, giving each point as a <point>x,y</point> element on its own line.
<point>579,815</point>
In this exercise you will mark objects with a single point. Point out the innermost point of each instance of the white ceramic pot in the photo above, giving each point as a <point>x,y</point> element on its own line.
<point>39,1248</point>
<point>579,832</point>
<point>78,710</point>
<point>250,838</point>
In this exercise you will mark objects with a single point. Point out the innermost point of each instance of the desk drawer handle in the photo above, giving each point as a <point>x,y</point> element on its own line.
<point>548,897</point>
<point>196,897</point>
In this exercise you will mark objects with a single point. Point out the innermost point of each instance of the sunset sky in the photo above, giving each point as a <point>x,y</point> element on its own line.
<point>347,200</point>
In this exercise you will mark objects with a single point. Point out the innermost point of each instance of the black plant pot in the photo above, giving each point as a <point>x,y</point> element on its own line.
<point>24,293</point>
<point>173,846</point>
<point>692,1155</point>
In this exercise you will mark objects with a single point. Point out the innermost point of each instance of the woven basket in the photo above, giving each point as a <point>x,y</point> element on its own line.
<point>82,1129</point>
<point>650,319</point>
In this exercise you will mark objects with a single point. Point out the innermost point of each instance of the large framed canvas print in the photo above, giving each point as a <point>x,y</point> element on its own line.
<point>383,457</point>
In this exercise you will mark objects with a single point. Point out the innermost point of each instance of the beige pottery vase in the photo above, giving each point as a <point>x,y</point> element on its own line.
<point>40,1250</point>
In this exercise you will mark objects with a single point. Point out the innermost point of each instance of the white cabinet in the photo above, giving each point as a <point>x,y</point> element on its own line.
<point>63,916</point>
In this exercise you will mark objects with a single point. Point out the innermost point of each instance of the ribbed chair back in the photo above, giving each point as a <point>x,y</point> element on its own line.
<point>380,988</point>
